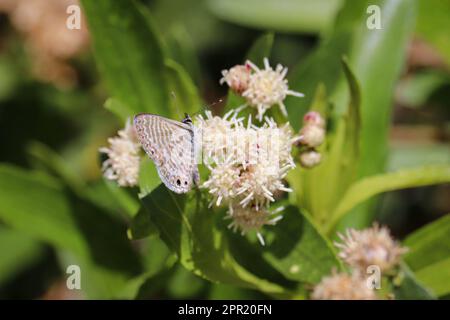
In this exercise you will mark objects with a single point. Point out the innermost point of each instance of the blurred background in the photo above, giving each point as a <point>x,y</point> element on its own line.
<point>52,115</point>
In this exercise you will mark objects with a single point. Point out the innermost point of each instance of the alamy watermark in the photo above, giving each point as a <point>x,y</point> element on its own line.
<point>73,281</point>
<point>73,21</point>
<point>373,22</point>
<point>373,281</point>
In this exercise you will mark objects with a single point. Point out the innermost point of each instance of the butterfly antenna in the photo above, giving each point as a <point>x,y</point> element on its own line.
<point>208,106</point>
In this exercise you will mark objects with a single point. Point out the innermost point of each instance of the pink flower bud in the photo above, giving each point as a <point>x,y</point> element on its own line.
<point>237,78</point>
<point>314,118</point>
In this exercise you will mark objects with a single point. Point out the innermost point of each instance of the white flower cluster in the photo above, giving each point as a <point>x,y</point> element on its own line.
<point>261,88</point>
<point>372,246</point>
<point>359,250</point>
<point>247,163</point>
<point>343,286</point>
<point>247,166</point>
<point>123,160</point>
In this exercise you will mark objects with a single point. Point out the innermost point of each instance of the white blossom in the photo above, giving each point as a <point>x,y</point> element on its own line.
<point>372,246</point>
<point>343,286</point>
<point>123,160</point>
<point>268,87</point>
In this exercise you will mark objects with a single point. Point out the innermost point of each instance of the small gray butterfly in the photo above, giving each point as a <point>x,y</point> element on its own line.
<point>171,146</point>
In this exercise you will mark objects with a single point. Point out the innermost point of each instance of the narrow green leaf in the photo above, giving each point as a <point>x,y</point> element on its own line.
<point>19,251</point>
<point>261,49</point>
<point>436,277</point>
<point>55,164</point>
<point>429,245</point>
<point>119,109</point>
<point>129,55</point>
<point>402,179</point>
<point>407,155</point>
<point>417,89</point>
<point>407,287</point>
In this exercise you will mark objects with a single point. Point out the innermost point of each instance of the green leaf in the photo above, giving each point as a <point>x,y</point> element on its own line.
<point>184,284</point>
<point>282,15</point>
<point>148,177</point>
<point>402,179</point>
<point>38,205</point>
<point>129,55</point>
<point>141,226</point>
<point>158,263</point>
<point>407,287</point>
<point>417,89</point>
<point>186,98</point>
<point>48,160</point>
<point>119,109</point>
<point>436,277</point>
<point>19,251</point>
<point>261,49</point>
<point>407,155</point>
<point>432,24</point>
<point>429,245</point>
<point>182,50</point>
<point>187,226</point>
<point>296,248</point>
<point>122,198</point>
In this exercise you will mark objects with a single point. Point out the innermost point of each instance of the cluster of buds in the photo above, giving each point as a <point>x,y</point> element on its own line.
<point>372,247</point>
<point>311,136</point>
<point>261,88</point>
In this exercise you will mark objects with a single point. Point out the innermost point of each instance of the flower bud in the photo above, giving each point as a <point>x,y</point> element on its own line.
<point>237,78</point>
<point>314,118</point>
<point>310,158</point>
<point>312,135</point>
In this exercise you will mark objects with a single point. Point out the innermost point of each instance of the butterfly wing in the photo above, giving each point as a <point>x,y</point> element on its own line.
<point>170,144</point>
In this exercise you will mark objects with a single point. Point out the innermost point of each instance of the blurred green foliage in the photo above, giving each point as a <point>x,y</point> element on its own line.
<point>164,57</point>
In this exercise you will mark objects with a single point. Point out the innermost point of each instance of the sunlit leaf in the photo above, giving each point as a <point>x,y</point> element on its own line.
<point>402,179</point>
<point>428,245</point>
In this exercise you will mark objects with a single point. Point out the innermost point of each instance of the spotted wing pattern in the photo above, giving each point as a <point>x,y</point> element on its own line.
<point>170,144</point>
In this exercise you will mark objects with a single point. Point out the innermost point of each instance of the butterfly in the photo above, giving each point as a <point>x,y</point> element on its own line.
<point>171,145</point>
